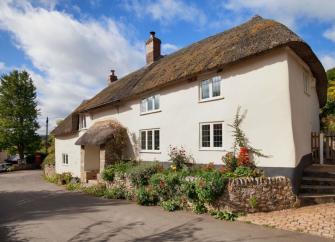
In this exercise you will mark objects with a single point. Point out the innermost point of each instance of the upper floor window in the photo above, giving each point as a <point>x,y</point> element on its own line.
<point>65,159</point>
<point>211,88</point>
<point>150,140</point>
<point>211,135</point>
<point>150,104</point>
<point>307,84</point>
<point>82,121</point>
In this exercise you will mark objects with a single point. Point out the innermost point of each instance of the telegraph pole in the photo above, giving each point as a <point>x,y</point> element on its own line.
<point>46,135</point>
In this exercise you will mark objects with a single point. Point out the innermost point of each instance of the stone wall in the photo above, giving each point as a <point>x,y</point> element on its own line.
<point>261,194</point>
<point>49,170</point>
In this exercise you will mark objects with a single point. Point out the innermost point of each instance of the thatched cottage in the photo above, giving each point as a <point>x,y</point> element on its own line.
<point>188,98</point>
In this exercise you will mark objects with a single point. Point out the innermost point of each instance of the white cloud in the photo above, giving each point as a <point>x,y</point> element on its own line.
<point>167,11</point>
<point>328,61</point>
<point>74,56</point>
<point>169,48</point>
<point>2,66</point>
<point>330,34</point>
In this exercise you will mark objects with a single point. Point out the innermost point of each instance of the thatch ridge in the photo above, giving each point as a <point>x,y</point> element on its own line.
<point>252,38</point>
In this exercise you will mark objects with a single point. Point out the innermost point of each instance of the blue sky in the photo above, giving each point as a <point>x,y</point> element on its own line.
<point>68,46</point>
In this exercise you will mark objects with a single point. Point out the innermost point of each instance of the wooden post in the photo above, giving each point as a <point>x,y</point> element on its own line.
<point>321,148</point>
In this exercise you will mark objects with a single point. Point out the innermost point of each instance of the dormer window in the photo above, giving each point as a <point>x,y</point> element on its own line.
<point>82,121</point>
<point>210,89</point>
<point>150,104</point>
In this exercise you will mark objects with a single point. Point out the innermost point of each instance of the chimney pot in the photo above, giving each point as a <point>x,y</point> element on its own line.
<point>112,77</point>
<point>153,48</point>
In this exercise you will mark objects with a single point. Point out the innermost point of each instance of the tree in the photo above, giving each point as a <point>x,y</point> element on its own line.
<point>18,113</point>
<point>327,114</point>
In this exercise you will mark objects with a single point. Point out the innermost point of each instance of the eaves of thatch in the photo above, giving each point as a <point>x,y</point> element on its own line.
<point>217,52</point>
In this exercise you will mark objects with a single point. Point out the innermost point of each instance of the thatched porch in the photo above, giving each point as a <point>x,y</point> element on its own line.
<point>101,145</point>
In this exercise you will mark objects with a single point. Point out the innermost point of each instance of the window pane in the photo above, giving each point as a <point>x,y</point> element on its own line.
<point>156,101</point>
<point>156,139</point>
<point>205,134</point>
<point>143,106</point>
<point>150,101</point>
<point>143,139</point>
<point>217,134</point>
<point>216,86</point>
<point>205,89</point>
<point>149,140</point>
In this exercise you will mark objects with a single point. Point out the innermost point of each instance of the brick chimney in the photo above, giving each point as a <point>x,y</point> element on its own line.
<point>153,48</point>
<point>112,77</point>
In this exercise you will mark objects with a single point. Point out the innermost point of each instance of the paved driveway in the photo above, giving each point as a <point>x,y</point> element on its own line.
<point>33,210</point>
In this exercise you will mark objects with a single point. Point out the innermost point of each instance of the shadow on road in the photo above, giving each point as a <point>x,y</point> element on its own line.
<point>31,205</point>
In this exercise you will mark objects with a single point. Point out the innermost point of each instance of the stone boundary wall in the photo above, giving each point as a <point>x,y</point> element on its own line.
<point>260,194</point>
<point>247,194</point>
<point>49,170</point>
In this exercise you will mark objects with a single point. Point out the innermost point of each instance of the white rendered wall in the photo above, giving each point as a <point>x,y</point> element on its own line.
<point>259,85</point>
<point>305,107</point>
<point>66,145</point>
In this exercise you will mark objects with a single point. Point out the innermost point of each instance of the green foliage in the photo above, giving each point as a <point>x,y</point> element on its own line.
<point>209,186</point>
<point>331,74</point>
<point>171,205</point>
<point>73,186</point>
<point>224,215</point>
<point>61,179</point>
<point>146,197</point>
<point>166,185</point>
<point>199,207</point>
<point>50,158</point>
<point>52,179</point>
<point>115,193</point>
<point>253,201</point>
<point>120,169</point>
<point>243,171</point>
<point>179,158</point>
<point>140,175</point>
<point>18,113</point>
<point>95,190</point>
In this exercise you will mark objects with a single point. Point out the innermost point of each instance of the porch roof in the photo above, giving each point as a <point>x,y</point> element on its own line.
<point>99,133</point>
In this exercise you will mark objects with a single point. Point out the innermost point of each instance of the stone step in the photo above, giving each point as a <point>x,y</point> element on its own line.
<point>315,195</point>
<point>314,198</point>
<point>327,179</point>
<point>317,187</point>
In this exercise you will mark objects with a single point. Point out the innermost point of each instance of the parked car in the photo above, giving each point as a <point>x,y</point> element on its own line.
<point>4,166</point>
<point>15,159</point>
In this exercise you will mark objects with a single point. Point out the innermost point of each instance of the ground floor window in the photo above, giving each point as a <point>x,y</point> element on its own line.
<point>65,159</point>
<point>150,139</point>
<point>211,135</point>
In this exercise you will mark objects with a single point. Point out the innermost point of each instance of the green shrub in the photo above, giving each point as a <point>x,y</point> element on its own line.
<point>253,202</point>
<point>188,188</point>
<point>65,178</point>
<point>179,158</point>
<point>115,193</point>
<point>120,169</point>
<point>146,197</point>
<point>224,215</point>
<point>199,207</point>
<point>140,175</point>
<point>243,171</point>
<point>95,190</point>
<point>73,186</point>
<point>171,205</point>
<point>129,195</point>
<point>166,185</point>
<point>52,179</point>
<point>210,186</point>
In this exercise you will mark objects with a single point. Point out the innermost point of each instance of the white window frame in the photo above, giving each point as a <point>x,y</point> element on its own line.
<point>211,135</point>
<point>65,158</point>
<point>82,121</point>
<point>307,82</point>
<point>210,87</point>
<point>152,150</point>
<point>145,102</point>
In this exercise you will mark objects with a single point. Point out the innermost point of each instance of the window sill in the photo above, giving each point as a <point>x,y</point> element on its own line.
<point>210,99</point>
<point>211,149</point>
<point>154,111</point>
<point>151,151</point>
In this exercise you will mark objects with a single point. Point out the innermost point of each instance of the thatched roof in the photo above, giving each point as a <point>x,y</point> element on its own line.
<point>99,133</point>
<point>217,52</point>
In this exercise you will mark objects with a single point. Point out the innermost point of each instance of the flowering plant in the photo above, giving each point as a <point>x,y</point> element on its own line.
<point>179,157</point>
